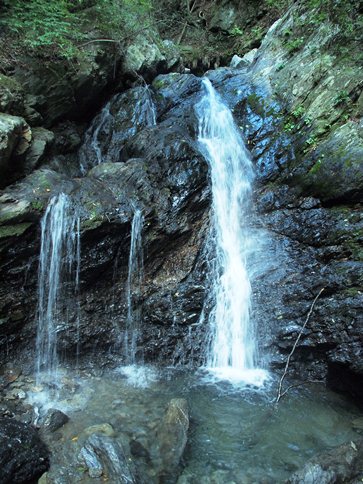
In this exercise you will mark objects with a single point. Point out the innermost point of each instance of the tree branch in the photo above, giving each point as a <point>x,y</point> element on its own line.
<point>280,393</point>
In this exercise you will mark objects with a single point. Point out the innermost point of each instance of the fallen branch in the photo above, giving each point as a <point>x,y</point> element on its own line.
<point>281,393</point>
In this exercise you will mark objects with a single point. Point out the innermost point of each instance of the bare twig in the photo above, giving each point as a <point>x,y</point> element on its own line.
<point>99,40</point>
<point>281,393</point>
<point>182,33</point>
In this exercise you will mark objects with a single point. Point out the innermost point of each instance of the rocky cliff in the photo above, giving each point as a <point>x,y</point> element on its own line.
<point>298,103</point>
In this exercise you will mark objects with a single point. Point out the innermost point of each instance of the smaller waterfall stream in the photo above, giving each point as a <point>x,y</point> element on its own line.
<point>58,282</point>
<point>232,352</point>
<point>118,120</point>
<point>134,287</point>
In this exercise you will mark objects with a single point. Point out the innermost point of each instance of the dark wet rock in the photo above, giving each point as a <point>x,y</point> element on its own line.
<point>341,464</point>
<point>67,137</point>
<point>103,455</point>
<point>172,438</point>
<point>121,118</point>
<point>345,367</point>
<point>23,456</point>
<point>53,420</point>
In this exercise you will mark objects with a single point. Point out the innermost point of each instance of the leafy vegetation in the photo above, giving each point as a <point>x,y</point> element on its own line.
<point>235,31</point>
<point>58,26</point>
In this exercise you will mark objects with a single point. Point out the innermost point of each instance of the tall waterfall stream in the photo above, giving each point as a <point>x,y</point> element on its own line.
<point>235,434</point>
<point>133,288</point>
<point>232,354</point>
<point>58,285</point>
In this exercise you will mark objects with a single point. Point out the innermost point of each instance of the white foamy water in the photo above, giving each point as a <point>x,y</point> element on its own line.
<point>232,352</point>
<point>139,376</point>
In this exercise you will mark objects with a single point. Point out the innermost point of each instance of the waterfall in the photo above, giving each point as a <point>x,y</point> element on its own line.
<point>134,287</point>
<point>232,352</point>
<point>58,282</point>
<point>91,139</point>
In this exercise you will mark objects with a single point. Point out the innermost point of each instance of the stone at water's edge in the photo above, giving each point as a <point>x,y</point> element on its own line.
<point>172,439</point>
<point>23,456</point>
<point>53,420</point>
<point>104,456</point>
<point>341,464</point>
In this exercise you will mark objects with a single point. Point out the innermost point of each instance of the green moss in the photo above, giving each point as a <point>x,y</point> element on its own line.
<point>9,83</point>
<point>353,291</point>
<point>92,223</point>
<point>159,83</point>
<point>13,230</point>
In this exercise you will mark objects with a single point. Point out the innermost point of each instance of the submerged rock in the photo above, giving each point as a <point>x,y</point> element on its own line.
<point>104,429</point>
<point>23,456</point>
<point>172,438</point>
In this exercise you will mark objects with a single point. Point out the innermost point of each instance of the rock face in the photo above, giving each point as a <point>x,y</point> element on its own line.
<point>23,457</point>
<point>300,112</point>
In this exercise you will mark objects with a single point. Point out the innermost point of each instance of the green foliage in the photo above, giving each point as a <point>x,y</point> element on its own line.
<point>56,27</point>
<point>289,127</point>
<point>294,45</point>
<point>236,31</point>
<point>342,97</point>
<point>279,5</point>
<point>41,23</point>
<point>298,111</point>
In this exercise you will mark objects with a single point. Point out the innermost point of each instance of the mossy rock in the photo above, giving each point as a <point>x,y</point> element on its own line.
<point>7,231</point>
<point>336,173</point>
<point>11,96</point>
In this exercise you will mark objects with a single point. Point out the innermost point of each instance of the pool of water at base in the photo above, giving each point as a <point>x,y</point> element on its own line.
<point>236,435</point>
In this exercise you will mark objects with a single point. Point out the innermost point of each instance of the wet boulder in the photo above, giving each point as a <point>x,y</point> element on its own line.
<point>53,420</point>
<point>341,464</point>
<point>23,456</point>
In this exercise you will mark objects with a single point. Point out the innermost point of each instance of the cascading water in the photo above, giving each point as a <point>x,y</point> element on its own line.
<point>58,281</point>
<point>232,353</point>
<point>134,287</point>
<point>102,120</point>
